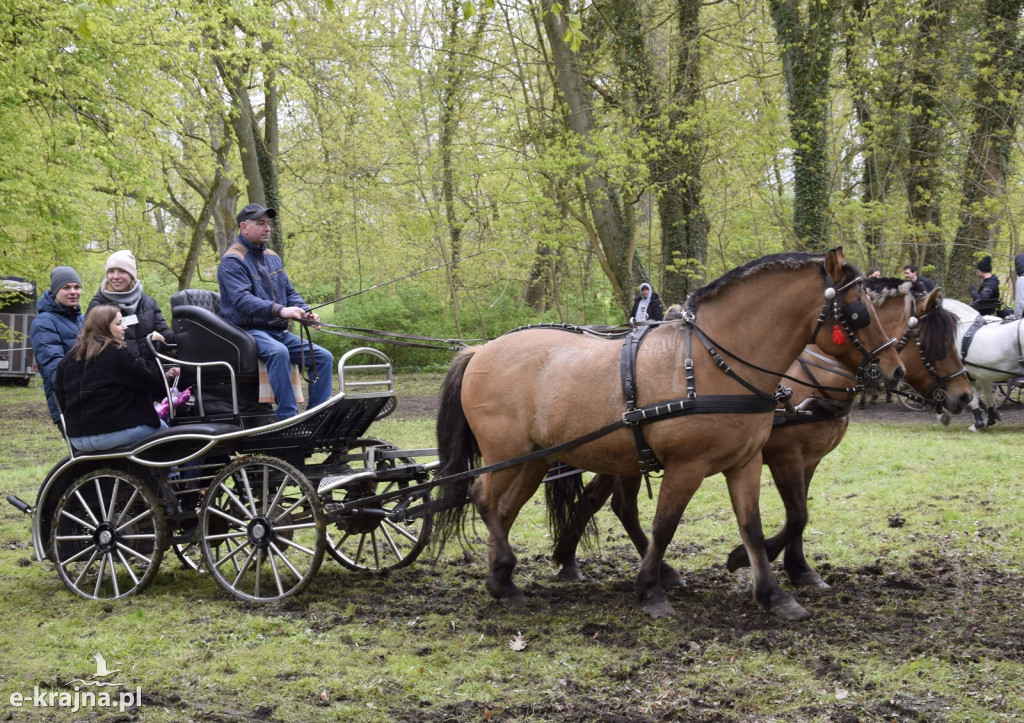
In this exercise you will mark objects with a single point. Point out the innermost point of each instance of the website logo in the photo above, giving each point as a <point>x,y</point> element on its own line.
<point>98,690</point>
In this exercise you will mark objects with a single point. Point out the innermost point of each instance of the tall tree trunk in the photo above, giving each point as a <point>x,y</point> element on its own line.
<point>605,203</point>
<point>678,146</point>
<point>998,82</point>
<point>806,46</point>
<point>924,139</point>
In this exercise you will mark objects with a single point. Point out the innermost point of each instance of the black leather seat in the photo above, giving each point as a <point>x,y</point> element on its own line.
<point>202,336</point>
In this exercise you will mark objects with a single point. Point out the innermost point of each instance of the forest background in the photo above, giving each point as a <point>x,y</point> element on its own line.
<point>595,145</point>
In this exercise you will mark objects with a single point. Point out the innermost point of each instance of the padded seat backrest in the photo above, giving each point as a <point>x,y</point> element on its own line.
<point>209,300</point>
<point>203,336</point>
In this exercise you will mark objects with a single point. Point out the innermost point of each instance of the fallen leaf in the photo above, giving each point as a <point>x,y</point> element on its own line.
<point>518,642</point>
<point>840,693</point>
<point>322,695</point>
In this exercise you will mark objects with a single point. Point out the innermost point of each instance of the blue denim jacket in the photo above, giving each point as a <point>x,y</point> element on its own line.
<point>254,287</point>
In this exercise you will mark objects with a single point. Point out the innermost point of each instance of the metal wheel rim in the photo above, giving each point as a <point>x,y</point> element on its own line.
<point>389,545</point>
<point>261,530</point>
<point>907,402</point>
<point>108,535</point>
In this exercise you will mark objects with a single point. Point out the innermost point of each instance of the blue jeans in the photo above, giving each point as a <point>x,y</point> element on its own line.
<point>279,349</point>
<point>103,442</point>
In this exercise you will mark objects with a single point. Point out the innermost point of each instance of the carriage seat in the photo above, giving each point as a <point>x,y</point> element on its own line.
<point>203,336</point>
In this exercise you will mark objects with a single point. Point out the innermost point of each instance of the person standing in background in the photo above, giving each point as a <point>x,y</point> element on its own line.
<point>647,306</point>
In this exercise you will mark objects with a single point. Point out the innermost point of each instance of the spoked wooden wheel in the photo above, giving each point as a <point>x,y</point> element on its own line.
<point>190,554</point>
<point>108,535</point>
<point>261,529</point>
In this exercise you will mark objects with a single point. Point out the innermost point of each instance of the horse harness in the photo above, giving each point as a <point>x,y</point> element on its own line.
<point>937,391</point>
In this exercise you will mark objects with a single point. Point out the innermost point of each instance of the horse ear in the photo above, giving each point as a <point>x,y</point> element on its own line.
<point>929,302</point>
<point>834,261</point>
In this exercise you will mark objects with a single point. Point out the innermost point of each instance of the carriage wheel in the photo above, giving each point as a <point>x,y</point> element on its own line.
<point>190,554</point>
<point>108,535</point>
<point>374,542</point>
<point>261,529</point>
<point>911,403</point>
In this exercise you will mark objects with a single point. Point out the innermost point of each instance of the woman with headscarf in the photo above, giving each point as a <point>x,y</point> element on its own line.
<point>647,306</point>
<point>141,313</point>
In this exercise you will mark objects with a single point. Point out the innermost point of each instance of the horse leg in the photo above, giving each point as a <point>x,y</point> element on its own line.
<point>976,405</point>
<point>677,488</point>
<point>993,413</point>
<point>625,497</point>
<point>744,484</point>
<point>792,480</point>
<point>595,494</point>
<point>499,496</point>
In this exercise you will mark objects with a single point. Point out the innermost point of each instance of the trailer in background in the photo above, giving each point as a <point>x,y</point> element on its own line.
<point>17,310</point>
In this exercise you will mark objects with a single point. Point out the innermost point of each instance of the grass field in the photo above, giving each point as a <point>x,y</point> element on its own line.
<point>917,527</point>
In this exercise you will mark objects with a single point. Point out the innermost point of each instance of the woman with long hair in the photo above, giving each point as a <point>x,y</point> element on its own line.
<point>105,389</point>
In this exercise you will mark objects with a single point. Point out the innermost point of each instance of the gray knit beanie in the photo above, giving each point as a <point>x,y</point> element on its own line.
<point>63,275</point>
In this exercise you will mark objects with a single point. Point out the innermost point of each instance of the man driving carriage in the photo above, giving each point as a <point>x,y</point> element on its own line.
<point>256,294</point>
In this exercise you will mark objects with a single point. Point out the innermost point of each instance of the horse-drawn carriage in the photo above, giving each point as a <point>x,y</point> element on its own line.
<point>252,500</point>
<point>262,500</point>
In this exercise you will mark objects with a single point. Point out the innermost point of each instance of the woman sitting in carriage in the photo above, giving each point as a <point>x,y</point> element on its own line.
<point>105,389</point>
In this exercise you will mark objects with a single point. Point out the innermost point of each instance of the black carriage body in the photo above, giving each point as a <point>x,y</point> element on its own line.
<point>230,482</point>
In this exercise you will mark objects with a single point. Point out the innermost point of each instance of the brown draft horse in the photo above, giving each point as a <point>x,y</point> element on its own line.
<point>797,445</point>
<point>535,389</point>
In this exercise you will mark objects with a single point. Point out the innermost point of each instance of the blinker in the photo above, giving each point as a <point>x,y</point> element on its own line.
<point>856,314</point>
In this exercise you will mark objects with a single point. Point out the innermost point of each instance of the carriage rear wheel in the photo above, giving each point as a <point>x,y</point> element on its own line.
<point>369,539</point>
<point>1008,391</point>
<point>261,529</point>
<point>108,535</point>
<point>913,403</point>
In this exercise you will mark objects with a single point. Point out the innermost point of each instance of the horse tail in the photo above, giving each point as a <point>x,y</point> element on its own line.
<point>563,496</point>
<point>457,451</point>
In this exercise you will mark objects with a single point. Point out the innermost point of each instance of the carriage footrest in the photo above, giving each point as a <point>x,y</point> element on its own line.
<point>21,504</point>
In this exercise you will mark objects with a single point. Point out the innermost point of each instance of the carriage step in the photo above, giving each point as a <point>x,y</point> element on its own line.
<point>20,504</point>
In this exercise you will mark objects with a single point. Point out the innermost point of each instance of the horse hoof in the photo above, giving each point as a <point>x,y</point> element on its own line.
<point>737,559</point>
<point>972,428</point>
<point>571,574</point>
<point>944,420</point>
<point>659,610</point>
<point>514,599</point>
<point>670,577</point>
<point>790,610</point>
<point>809,579</point>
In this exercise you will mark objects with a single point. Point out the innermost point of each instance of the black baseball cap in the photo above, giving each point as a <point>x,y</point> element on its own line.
<point>254,210</point>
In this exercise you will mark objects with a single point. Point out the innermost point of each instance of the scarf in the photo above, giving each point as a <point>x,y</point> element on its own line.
<point>127,301</point>
<point>641,309</point>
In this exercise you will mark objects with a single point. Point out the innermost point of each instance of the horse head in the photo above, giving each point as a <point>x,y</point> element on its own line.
<point>848,327</point>
<point>927,335</point>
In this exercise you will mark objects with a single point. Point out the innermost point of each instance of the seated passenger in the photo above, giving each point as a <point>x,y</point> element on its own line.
<point>140,312</point>
<point>255,294</point>
<point>985,300</point>
<point>55,328</point>
<point>105,389</point>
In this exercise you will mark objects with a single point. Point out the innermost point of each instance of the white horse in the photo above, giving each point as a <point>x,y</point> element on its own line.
<point>996,353</point>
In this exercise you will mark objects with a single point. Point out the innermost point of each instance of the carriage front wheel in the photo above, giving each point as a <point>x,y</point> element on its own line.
<point>108,535</point>
<point>261,529</point>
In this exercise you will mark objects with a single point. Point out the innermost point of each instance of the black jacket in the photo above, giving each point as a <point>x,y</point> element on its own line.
<point>149,320</point>
<point>112,392</point>
<point>986,298</point>
<point>654,310</point>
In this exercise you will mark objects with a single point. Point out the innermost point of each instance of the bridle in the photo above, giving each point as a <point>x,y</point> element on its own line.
<point>850,318</point>
<point>937,391</point>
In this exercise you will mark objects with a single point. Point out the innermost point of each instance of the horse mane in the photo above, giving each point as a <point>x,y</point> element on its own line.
<point>940,324</point>
<point>790,261</point>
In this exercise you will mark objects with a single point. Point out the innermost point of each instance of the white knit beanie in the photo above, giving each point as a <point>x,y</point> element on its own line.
<point>123,260</point>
